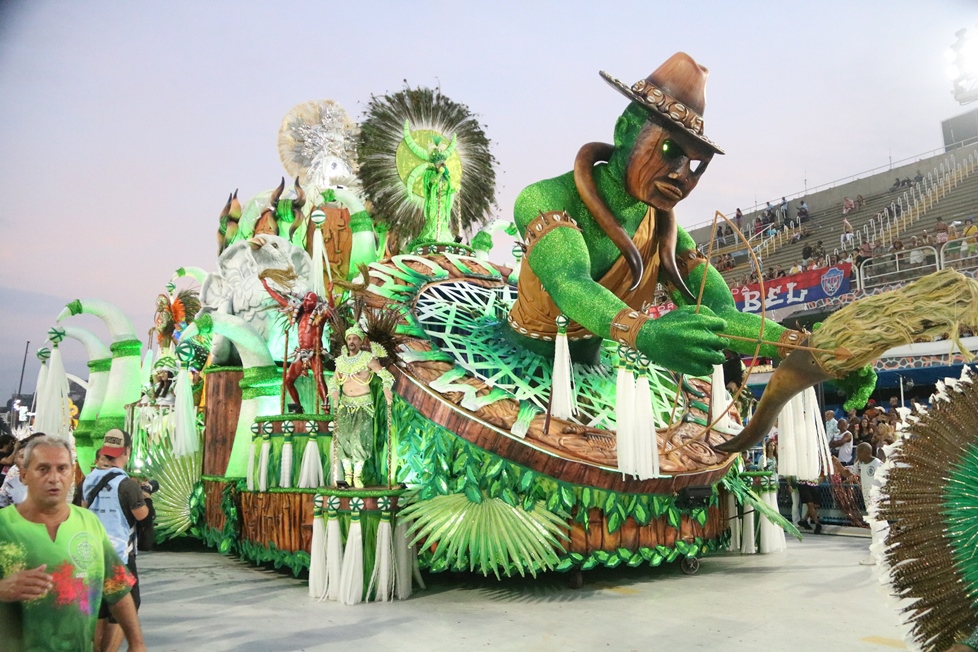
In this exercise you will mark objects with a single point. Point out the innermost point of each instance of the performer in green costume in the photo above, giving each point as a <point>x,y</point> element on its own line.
<point>600,238</point>
<point>439,186</point>
<point>353,405</point>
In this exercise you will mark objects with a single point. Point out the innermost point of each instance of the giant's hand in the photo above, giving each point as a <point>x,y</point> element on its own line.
<point>684,341</point>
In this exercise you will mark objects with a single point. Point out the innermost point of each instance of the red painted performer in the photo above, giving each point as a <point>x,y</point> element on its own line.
<point>310,314</point>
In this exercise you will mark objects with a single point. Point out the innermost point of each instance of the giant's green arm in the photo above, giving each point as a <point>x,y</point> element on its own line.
<point>717,297</point>
<point>561,262</point>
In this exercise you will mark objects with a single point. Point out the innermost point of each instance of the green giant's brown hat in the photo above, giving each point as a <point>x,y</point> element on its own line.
<point>674,95</point>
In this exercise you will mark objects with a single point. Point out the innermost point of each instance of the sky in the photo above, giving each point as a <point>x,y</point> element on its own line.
<point>124,126</point>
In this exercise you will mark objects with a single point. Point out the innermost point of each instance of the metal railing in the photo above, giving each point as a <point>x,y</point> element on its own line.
<point>898,267</point>
<point>960,253</point>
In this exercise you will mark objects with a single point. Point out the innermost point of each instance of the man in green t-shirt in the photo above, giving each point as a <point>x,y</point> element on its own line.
<point>57,563</point>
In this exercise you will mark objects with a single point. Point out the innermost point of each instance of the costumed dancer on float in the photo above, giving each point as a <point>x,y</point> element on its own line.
<point>309,314</point>
<point>353,404</point>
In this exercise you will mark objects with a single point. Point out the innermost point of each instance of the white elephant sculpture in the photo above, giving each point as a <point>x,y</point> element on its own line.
<point>235,289</point>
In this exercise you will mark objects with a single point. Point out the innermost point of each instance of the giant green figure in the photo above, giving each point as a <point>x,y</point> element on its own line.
<point>598,239</point>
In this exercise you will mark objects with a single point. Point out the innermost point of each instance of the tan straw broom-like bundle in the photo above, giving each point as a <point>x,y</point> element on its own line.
<point>934,306</point>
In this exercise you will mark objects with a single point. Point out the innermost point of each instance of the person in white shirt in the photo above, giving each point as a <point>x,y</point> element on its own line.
<point>831,424</point>
<point>865,470</point>
<point>841,444</point>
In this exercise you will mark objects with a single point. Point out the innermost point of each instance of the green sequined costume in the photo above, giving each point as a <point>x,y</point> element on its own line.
<point>355,427</point>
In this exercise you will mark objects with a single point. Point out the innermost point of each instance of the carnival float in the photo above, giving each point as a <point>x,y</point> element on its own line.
<point>354,389</point>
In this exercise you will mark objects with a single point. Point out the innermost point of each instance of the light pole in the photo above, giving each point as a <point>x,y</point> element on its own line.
<point>20,385</point>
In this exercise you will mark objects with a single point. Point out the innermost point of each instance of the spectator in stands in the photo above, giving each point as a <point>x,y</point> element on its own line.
<point>806,254</point>
<point>831,424</point>
<point>918,178</point>
<point>897,249</point>
<point>952,250</point>
<point>841,444</point>
<point>860,202</point>
<point>779,272</point>
<point>940,231</point>
<point>833,260</point>
<point>847,205</point>
<point>796,268</point>
<point>907,183</point>
<point>739,218</point>
<point>865,252</point>
<point>783,210</point>
<point>970,237</point>
<point>916,253</point>
<point>926,240</point>
<point>818,250</point>
<point>802,211</point>
<point>795,236</point>
<point>847,233</point>
<point>896,184</point>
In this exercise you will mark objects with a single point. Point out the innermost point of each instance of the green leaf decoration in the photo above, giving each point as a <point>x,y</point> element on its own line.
<point>565,564</point>
<point>625,553</point>
<point>590,563</point>
<point>675,517</point>
<point>567,497</point>
<point>495,467</point>
<point>613,561</point>
<point>473,493</point>
<point>641,513</point>
<point>587,498</point>
<point>489,536</point>
<point>635,561</point>
<point>526,481</point>
<point>614,522</point>
<point>700,515</point>
<point>601,555</point>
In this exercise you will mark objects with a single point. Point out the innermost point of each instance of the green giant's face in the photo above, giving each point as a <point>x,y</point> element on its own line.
<point>664,166</point>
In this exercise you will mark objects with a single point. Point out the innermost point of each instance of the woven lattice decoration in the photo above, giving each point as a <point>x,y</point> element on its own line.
<point>386,162</point>
<point>930,497</point>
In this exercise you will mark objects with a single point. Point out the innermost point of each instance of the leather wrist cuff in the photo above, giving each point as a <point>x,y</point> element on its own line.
<point>626,325</point>
<point>790,337</point>
<point>689,260</point>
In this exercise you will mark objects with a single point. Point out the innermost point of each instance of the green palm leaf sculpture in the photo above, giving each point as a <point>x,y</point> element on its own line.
<point>490,535</point>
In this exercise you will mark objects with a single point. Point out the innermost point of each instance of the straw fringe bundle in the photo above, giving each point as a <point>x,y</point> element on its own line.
<point>936,305</point>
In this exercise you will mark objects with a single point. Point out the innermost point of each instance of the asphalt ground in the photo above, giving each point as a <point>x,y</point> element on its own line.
<point>814,596</point>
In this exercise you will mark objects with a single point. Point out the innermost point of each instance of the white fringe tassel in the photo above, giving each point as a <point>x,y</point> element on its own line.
<point>772,536</point>
<point>318,262</point>
<point>646,442</point>
<point>317,554</point>
<point>351,578</point>
<point>719,400</point>
<point>266,449</point>
<point>53,408</point>
<point>562,380</point>
<point>285,469</point>
<point>624,414</point>
<point>748,544</point>
<point>311,471</point>
<point>184,416</point>
<point>334,557</point>
<point>384,578</point>
<point>802,450</point>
